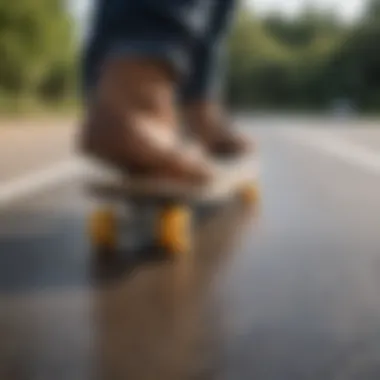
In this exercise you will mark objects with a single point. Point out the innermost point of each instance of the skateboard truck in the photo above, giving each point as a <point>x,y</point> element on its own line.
<point>156,214</point>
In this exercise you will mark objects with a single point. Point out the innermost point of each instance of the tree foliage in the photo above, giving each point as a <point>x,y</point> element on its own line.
<point>308,61</point>
<point>36,46</point>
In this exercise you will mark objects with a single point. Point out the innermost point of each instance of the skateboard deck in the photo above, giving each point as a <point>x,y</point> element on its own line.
<point>163,210</point>
<point>230,175</point>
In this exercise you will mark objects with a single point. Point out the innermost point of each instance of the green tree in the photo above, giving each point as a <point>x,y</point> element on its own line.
<point>35,40</point>
<point>373,11</point>
<point>355,67</point>
<point>253,56</point>
<point>282,62</point>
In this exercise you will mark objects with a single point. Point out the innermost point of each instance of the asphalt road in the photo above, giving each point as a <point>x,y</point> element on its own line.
<point>290,290</point>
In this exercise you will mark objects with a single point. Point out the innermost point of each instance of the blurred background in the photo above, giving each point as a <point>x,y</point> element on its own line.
<point>315,55</point>
<point>287,290</point>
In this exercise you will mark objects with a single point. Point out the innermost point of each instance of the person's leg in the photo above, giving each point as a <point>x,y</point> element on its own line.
<point>201,93</point>
<point>137,53</point>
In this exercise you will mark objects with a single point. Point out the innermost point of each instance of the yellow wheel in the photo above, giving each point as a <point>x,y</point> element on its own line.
<point>102,229</point>
<point>174,229</point>
<point>249,193</point>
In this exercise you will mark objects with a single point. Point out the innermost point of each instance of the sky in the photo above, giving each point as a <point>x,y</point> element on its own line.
<point>348,9</point>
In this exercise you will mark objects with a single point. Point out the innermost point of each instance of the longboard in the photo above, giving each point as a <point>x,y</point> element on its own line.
<point>162,209</point>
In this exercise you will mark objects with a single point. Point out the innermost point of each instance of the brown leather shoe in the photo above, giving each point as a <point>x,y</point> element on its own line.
<point>208,124</point>
<point>132,125</point>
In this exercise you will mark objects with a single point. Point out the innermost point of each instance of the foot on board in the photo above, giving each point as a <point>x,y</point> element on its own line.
<point>132,125</point>
<point>207,123</point>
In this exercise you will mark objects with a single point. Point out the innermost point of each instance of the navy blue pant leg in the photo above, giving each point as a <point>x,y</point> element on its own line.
<point>187,34</point>
<point>208,57</point>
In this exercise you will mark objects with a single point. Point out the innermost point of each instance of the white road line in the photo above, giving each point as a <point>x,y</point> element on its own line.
<point>329,143</point>
<point>34,182</point>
